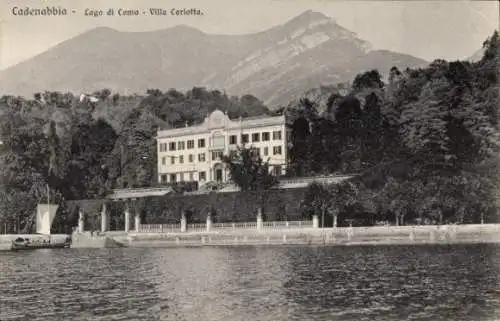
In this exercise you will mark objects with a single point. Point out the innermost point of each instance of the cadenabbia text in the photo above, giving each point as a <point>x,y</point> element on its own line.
<point>44,11</point>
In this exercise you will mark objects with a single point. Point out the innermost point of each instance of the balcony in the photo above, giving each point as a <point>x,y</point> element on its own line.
<point>218,142</point>
<point>213,147</point>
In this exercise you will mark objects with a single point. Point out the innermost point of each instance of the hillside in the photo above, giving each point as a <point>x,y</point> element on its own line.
<point>275,65</point>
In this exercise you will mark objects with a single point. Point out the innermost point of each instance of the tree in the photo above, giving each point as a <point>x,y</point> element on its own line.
<point>492,47</point>
<point>344,196</point>
<point>370,79</point>
<point>299,153</point>
<point>317,201</point>
<point>250,173</point>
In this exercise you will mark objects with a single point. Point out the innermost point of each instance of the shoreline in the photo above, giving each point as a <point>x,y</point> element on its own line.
<point>370,236</point>
<point>355,236</point>
<point>165,244</point>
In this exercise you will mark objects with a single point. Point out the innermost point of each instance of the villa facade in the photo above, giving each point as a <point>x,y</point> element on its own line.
<point>195,153</point>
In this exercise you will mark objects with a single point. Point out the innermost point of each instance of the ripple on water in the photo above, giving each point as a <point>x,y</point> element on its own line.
<point>252,283</point>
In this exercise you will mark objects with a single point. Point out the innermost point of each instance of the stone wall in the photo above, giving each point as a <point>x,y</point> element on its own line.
<point>278,205</point>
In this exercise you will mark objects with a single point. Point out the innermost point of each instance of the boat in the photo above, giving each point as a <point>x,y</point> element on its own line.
<point>42,240</point>
<point>24,243</point>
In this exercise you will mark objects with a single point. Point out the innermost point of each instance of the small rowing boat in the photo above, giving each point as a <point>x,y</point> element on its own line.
<point>26,244</point>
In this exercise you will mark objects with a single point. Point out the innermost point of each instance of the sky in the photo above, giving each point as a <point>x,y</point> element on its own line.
<point>446,29</point>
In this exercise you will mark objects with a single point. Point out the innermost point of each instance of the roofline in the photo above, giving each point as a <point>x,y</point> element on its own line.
<point>203,128</point>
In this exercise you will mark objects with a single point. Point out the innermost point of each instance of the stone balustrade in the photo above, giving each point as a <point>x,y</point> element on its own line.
<point>215,227</point>
<point>208,226</point>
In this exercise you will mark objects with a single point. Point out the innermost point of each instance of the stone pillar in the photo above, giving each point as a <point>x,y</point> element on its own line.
<point>209,222</point>
<point>127,218</point>
<point>104,219</point>
<point>315,221</point>
<point>412,235</point>
<point>80,221</point>
<point>260,223</point>
<point>137,222</point>
<point>183,222</point>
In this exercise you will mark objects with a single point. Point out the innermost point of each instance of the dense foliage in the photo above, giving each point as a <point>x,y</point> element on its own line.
<point>426,143</point>
<point>91,146</point>
<point>248,170</point>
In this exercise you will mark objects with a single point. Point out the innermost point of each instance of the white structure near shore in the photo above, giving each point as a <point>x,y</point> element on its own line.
<point>194,153</point>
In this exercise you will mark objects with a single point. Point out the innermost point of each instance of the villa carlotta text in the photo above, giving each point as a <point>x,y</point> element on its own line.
<point>175,12</point>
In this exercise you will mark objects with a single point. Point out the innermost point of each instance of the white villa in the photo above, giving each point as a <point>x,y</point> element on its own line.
<point>194,153</point>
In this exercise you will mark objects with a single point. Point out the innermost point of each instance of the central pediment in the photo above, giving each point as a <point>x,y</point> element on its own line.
<point>216,119</point>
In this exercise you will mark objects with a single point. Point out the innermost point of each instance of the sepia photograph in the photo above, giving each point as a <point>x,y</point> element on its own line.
<point>267,160</point>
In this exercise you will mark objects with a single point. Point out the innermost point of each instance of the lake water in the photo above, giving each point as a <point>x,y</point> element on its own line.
<point>457,282</point>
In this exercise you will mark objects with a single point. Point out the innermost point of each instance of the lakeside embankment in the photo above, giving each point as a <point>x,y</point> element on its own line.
<point>376,235</point>
<point>373,235</point>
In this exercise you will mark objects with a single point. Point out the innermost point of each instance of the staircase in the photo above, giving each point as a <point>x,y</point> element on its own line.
<point>87,240</point>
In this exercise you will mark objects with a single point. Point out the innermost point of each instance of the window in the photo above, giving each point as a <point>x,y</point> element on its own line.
<point>216,155</point>
<point>277,150</point>
<point>161,147</point>
<point>218,141</point>
<point>163,161</point>
<point>255,151</point>
<point>277,170</point>
<point>233,140</point>
<point>277,135</point>
<point>266,151</point>
<point>255,137</point>
<point>244,138</point>
<point>171,146</point>
<point>233,154</point>
<point>191,176</point>
<point>201,143</point>
<point>265,136</point>
<point>191,158</point>
<point>190,144</point>
<point>202,176</point>
<point>172,159</point>
<point>181,159</point>
<point>201,157</point>
<point>173,178</point>
<point>182,177</point>
<point>163,178</point>
<point>181,145</point>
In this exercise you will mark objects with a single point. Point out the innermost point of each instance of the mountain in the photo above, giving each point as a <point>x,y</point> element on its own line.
<point>478,55</point>
<point>275,65</point>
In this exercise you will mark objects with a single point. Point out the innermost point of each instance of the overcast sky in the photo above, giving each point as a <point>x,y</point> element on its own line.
<point>448,29</point>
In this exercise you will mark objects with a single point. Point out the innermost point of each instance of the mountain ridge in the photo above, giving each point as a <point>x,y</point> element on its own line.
<point>307,51</point>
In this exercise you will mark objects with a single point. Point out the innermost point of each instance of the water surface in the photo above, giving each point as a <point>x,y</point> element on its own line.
<point>436,282</point>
